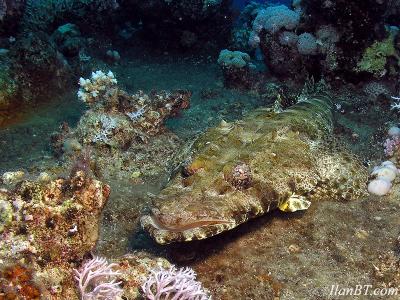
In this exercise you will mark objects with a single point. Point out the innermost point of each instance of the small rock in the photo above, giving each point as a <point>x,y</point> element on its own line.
<point>10,178</point>
<point>113,55</point>
<point>28,218</point>
<point>4,52</point>
<point>294,248</point>
<point>362,234</point>
<point>6,214</point>
<point>44,177</point>
<point>136,175</point>
<point>70,145</point>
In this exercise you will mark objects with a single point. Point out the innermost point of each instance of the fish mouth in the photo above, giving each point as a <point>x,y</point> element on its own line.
<point>194,230</point>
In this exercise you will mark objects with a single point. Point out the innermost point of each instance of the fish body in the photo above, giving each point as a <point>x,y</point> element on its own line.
<point>246,169</point>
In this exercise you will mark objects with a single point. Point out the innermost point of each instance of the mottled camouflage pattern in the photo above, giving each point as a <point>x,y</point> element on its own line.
<point>286,153</point>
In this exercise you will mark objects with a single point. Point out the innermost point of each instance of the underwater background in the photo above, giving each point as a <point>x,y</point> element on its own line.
<point>203,149</point>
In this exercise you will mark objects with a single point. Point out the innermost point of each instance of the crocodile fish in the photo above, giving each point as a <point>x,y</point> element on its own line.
<point>242,170</point>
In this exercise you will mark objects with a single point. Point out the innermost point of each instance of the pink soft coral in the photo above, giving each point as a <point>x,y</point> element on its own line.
<point>392,145</point>
<point>97,280</point>
<point>173,284</point>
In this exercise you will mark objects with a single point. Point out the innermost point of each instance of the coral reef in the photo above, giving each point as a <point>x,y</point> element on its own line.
<point>113,56</point>
<point>289,162</point>
<point>383,176</point>
<point>96,87</point>
<point>16,282</point>
<point>274,30</point>
<point>283,59</point>
<point>42,15</point>
<point>196,24</point>
<point>307,44</point>
<point>126,133</point>
<point>68,39</point>
<point>375,58</point>
<point>320,38</point>
<point>134,268</point>
<point>375,89</point>
<point>355,37</point>
<point>391,142</point>
<point>52,224</point>
<point>9,178</point>
<point>233,59</point>
<point>172,182</point>
<point>39,69</point>
<point>47,49</point>
<point>44,52</point>
<point>8,87</point>
<point>237,69</point>
<point>274,18</point>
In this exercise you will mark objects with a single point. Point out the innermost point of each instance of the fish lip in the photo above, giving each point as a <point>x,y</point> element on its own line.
<point>155,222</point>
<point>198,230</point>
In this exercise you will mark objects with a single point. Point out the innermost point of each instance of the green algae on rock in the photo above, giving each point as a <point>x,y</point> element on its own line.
<point>243,170</point>
<point>375,58</point>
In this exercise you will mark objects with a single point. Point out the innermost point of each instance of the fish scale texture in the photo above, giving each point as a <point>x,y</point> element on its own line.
<point>285,154</point>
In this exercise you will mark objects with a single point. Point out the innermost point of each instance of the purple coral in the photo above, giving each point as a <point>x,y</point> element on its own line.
<point>173,284</point>
<point>391,145</point>
<point>96,280</point>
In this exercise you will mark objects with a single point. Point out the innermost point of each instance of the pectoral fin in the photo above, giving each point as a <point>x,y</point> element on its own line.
<point>295,203</point>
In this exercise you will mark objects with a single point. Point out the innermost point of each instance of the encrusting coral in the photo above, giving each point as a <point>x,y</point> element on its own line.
<point>52,227</point>
<point>17,282</point>
<point>374,59</point>
<point>53,224</point>
<point>126,133</point>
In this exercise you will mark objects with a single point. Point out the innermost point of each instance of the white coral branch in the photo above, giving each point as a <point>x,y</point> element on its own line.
<point>174,284</point>
<point>395,105</point>
<point>93,89</point>
<point>96,280</point>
